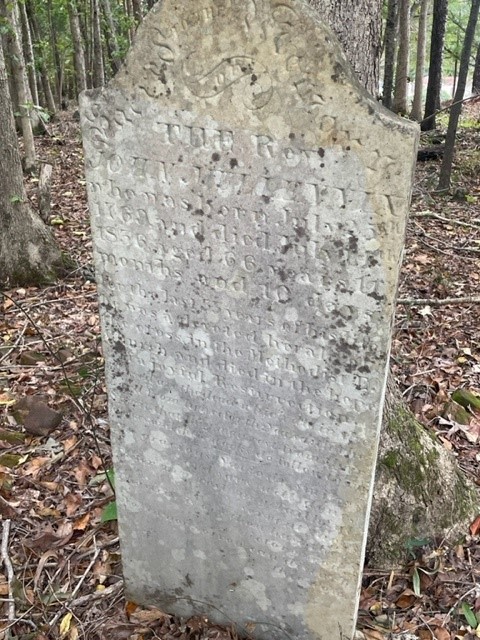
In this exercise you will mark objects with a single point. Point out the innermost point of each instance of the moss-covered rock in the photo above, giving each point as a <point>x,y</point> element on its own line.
<point>419,490</point>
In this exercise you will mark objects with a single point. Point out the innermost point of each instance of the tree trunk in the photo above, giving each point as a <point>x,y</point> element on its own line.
<point>28,253</point>
<point>98,68</point>
<point>129,13</point>
<point>56,55</point>
<point>42,67</point>
<point>390,41</point>
<point>137,11</point>
<point>446,168</point>
<point>8,10</point>
<point>28,53</point>
<point>476,73</point>
<point>432,101</point>
<point>112,37</point>
<point>357,24</point>
<point>401,73</point>
<point>78,51</point>
<point>416,112</point>
<point>418,490</point>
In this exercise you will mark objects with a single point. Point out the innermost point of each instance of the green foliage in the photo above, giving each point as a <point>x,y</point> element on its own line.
<point>458,11</point>
<point>416,582</point>
<point>413,544</point>
<point>109,512</point>
<point>469,615</point>
<point>110,473</point>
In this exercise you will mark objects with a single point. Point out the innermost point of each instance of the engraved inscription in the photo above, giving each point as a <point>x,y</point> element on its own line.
<point>248,207</point>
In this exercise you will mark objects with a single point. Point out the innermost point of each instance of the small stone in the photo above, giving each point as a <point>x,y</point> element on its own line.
<point>36,417</point>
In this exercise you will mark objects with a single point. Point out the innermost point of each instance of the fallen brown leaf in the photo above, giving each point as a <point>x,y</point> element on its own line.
<point>49,539</point>
<point>475,526</point>
<point>441,633</point>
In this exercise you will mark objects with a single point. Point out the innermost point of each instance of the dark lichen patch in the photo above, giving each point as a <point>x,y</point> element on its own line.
<point>233,163</point>
<point>300,232</point>
<point>215,157</point>
<point>353,244</point>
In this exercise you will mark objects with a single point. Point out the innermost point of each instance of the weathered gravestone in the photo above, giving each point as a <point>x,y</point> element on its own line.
<point>248,204</point>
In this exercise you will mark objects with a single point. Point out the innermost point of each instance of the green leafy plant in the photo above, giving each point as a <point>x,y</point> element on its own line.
<point>416,582</point>
<point>109,512</point>
<point>470,617</point>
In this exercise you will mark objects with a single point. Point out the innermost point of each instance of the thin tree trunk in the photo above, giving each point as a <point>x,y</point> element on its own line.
<point>401,74</point>
<point>114,57</point>
<point>56,55</point>
<point>8,10</point>
<point>446,168</point>
<point>42,67</point>
<point>129,12</point>
<point>78,50</point>
<point>137,11</point>
<point>416,112</point>
<point>98,68</point>
<point>390,51</point>
<point>28,53</point>
<point>432,101</point>
<point>28,253</point>
<point>476,73</point>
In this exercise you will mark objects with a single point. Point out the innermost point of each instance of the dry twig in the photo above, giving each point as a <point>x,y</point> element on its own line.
<point>439,302</point>
<point>10,575</point>
<point>431,214</point>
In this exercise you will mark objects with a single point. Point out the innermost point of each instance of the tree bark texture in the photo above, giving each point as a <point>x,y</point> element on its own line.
<point>28,53</point>
<point>28,253</point>
<point>137,11</point>
<point>476,73</point>
<point>98,68</point>
<point>78,50</point>
<point>432,101</point>
<point>390,49</point>
<point>56,55</point>
<point>416,112</point>
<point>455,111</point>
<point>357,24</point>
<point>401,73</point>
<point>42,67</point>
<point>9,11</point>
<point>112,36</point>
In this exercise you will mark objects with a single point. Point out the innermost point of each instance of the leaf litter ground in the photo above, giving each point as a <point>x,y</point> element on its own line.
<point>60,563</point>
